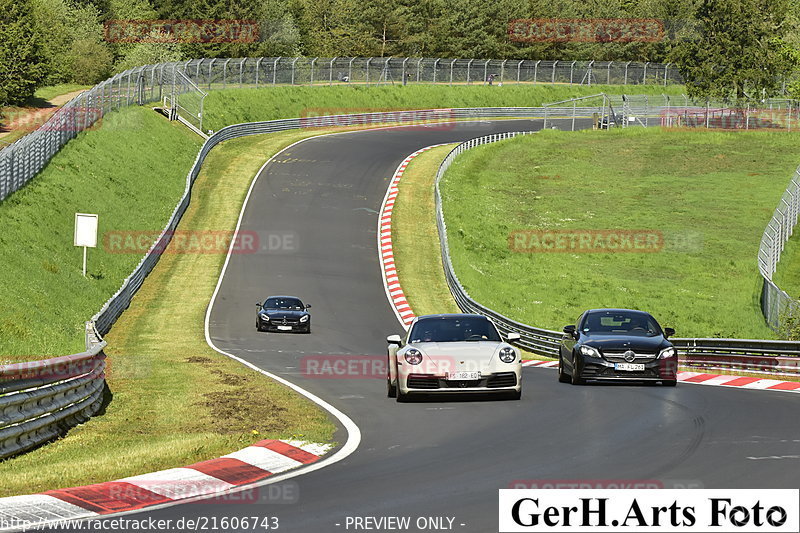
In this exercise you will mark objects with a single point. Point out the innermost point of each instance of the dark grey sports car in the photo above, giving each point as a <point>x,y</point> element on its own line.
<point>617,344</point>
<point>283,313</point>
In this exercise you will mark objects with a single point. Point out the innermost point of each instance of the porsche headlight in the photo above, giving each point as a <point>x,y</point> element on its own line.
<point>304,318</point>
<point>413,356</point>
<point>667,353</point>
<point>590,351</point>
<point>507,355</point>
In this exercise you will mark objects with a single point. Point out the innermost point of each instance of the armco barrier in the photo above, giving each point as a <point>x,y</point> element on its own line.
<point>41,400</point>
<point>754,356</point>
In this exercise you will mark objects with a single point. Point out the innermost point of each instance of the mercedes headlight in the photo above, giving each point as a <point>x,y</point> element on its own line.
<point>413,356</point>
<point>667,352</point>
<point>304,318</point>
<point>507,355</point>
<point>265,316</point>
<point>590,351</point>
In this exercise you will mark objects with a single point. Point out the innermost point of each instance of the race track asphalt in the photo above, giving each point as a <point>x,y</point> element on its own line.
<point>447,457</point>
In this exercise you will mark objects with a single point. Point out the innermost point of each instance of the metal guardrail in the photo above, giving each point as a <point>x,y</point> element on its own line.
<point>41,400</point>
<point>753,356</point>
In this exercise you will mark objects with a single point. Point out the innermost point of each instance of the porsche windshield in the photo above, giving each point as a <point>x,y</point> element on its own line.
<point>284,303</point>
<point>454,330</point>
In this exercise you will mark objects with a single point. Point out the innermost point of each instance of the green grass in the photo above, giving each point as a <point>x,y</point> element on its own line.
<point>787,275</point>
<point>710,194</point>
<point>131,172</point>
<point>415,239</point>
<point>232,106</point>
<point>176,401</point>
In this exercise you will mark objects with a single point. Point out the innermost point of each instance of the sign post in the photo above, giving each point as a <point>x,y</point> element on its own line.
<point>85,233</point>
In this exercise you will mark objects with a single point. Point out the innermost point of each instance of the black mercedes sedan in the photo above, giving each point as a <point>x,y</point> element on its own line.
<point>617,344</point>
<point>283,313</point>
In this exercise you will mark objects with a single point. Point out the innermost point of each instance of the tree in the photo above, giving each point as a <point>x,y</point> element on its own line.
<point>21,60</point>
<point>740,51</point>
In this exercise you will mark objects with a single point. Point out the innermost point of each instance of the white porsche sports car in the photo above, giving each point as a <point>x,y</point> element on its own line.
<point>454,353</point>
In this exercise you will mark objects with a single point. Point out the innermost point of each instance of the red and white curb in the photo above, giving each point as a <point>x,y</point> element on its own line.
<point>719,380</point>
<point>216,477</point>
<point>391,282</point>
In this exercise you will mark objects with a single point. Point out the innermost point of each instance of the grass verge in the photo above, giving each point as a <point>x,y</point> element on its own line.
<point>232,106</point>
<point>415,239</point>
<point>130,171</point>
<point>708,194</point>
<point>176,401</point>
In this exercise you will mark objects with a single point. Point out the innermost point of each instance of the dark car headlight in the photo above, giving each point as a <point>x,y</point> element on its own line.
<point>265,316</point>
<point>507,355</point>
<point>413,356</point>
<point>667,352</point>
<point>304,318</point>
<point>590,351</point>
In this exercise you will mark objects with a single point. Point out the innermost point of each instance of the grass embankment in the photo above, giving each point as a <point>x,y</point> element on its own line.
<point>787,276</point>
<point>176,401</point>
<point>415,239</point>
<point>130,171</point>
<point>232,106</point>
<point>709,194</point>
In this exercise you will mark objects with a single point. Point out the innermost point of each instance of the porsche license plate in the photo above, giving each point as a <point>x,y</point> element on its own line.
<point>629,367</point>
<point>285,328</point>
<point>464,375</point>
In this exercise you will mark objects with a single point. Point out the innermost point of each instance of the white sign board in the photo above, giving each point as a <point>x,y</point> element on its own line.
<point>85,230</point>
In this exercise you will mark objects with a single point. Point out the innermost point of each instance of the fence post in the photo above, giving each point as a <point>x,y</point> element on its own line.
<point>469,66</point>
<point>294,63</point>
<point>225,74</point>
<point>405,76</point>
<point>644,74</point>
<point>452,63</point>
<point>275,70</point>
<point>666,69</point>
<point>369,60</point>
<point>536,71</point>
<point>553,77</point>
<point>350,70</point>
<point>571,70</point>
<point>626,73</point>
<point>519,70</point>
<point>608,82</point>
<point>435,68</point>
<point>258,67</point>
<point>313,61</point>
<point>241,72</point>
<point>419,68</point>
<point>503,70</point>
<point>486,71</point>
<point>330,72</point>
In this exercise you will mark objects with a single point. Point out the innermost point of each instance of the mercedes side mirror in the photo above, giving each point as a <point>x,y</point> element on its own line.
<point>308,306</point>
<point>394,339</point>
<point>570,330</point>
<point>669,332</point>
<point>258,305</point>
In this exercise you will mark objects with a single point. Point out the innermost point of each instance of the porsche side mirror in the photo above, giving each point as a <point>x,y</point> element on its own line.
<point>394,339</point>
<point>513,336</point>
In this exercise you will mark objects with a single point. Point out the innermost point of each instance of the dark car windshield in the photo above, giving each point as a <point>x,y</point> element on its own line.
<point>454,330</point>
<point>620,323</point>
<point>284,303</point>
